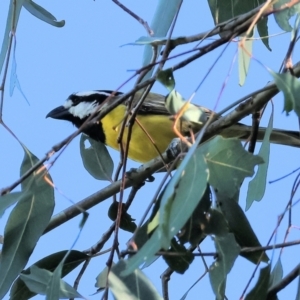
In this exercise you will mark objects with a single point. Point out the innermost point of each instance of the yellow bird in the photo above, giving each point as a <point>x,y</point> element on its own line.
<point>153,117</point>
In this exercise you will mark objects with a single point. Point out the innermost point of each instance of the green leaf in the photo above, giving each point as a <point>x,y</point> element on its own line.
<point>276,274</point>
<point>262,28</point>
<point>101,279</point>
<point>259,292</point>
<point>26,223</point>
<point>183,193</point>
<point>175,104</point>
<point>20,291</point>
<point>8,200</point>
<point>282,16</point>
<point>245,58</point>
<point>257,185</point>
<point>135,286</point>
<point>96,159</point>
<point>38,280</point>
<point>240,227</point>
<point>181,262</point>
<point>42,13</point>
<point>290,86</point>
<point>126,222</point>
<point>194,230</point>
<point>160,25</point>
<point>185,198</point>
<point>228,164</point>
<point>166,78</point>
<point>11,22</point>
<point>227,9</point>
<point>228,251</point>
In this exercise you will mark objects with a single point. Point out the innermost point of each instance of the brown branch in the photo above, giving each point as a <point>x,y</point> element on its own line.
<point>135,16</point>
<point>283,283</point>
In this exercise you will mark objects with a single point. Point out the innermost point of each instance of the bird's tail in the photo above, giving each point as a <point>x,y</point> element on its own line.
<point>278,136</point>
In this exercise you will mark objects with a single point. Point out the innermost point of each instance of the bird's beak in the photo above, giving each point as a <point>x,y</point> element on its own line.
<point>60,113</point>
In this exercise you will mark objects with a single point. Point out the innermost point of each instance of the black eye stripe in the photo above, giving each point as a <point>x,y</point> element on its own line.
<point>97,96</point>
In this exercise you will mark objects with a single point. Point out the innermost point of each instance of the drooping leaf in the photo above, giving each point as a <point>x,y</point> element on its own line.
<point>245,58</point>
<point>42,14</point>
<point>282,16</point>
<point>262,28</point>
<point>26,223</point>
<point>14,81</point>
<point>11,23</point>
<point>20,291</point>
<point>261,288</point>
<point>257,185</point>
<point>240,227</point>
<point>135,286</point>
<point>228,251</point>
<point>38,279</point>
<point>290,86</point>
<point>176,104</point>
<point>160,25</point>
<point>276,274</point>
<point>96,159</point>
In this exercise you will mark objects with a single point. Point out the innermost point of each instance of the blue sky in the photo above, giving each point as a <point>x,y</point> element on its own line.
<point>86,54</point>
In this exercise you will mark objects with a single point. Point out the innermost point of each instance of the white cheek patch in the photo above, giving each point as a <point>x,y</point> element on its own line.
<point>83,109</point>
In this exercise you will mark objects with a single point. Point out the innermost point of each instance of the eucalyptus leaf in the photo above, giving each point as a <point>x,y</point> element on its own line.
<point>26,223</point>
<point>96,158</point>
<point>261,288</point>
<point>38,280</point>
<point>20,291</point>
<point>257,185</point>
<point>135,286</point>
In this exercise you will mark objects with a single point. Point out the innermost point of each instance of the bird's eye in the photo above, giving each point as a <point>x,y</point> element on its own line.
<point>75,99</point>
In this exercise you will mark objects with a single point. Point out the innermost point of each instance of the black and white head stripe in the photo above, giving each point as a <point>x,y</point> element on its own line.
<point>83,104</point>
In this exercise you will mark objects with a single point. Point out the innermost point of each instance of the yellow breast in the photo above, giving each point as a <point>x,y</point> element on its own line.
<point>159,128</point>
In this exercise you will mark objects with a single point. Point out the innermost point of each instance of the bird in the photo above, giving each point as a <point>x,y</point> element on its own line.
<point>153,129</point>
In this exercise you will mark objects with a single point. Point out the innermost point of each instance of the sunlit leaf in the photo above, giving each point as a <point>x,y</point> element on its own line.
<point>135,286</point>
<point>245,58</point>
